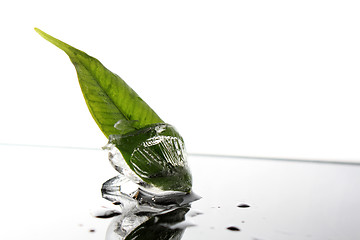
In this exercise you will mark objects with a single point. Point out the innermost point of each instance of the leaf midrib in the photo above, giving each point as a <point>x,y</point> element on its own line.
<point>98,84</point>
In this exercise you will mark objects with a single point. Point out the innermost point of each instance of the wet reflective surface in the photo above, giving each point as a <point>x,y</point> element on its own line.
<point>55,193</point>
<point>169,224</point>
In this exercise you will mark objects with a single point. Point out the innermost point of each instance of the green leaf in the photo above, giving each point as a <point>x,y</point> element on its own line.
<point>152,149</point>
<point>107,96</point>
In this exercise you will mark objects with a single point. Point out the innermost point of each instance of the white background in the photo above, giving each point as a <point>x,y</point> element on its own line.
<point>251,78</point>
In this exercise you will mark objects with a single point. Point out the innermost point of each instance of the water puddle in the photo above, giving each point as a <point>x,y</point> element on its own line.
<point>243,205</point>
<point>233,228</point>
<point>133,224</point>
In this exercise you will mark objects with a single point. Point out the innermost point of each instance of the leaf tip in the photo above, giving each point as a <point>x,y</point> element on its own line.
<point>60,44</point>
<point>41,33</point>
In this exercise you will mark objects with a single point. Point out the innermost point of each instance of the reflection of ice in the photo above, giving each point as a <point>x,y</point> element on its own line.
<point>124,224</point>
<point>134,224</point>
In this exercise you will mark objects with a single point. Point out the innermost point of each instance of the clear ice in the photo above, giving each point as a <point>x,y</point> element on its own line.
<point>117,161</point>
<point>152,190</point>
<point>129,190</point>
<point>155,154</point>
<point>153,158</point>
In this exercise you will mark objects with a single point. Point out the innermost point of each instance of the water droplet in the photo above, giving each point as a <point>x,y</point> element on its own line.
<point>233,228</point>
<point>243,205</point>
<point>105,213</point>
<point>125,125</point>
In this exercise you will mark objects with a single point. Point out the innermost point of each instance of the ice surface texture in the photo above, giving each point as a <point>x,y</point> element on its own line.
<point>156,154</point>
<point>125,193</point>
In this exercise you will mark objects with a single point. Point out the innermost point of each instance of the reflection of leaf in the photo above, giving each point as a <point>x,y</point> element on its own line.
<point>107,96</point>
<point>158,226</point>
